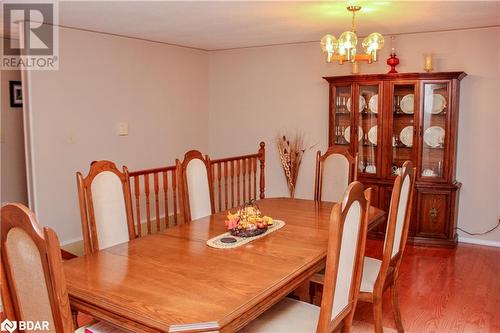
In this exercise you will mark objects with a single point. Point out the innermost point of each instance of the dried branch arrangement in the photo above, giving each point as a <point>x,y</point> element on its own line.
<point>291,150</point>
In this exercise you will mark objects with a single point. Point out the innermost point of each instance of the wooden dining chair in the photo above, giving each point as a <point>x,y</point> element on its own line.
<point>335,170</point>
<point>378,275</point>
<point>34,275</point>
<point>346,246</point>
<point>105,206</point>
<point>195,186</point>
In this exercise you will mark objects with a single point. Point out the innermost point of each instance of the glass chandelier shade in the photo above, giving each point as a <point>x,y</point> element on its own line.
<point>329,45</point>
<point>347,44</point>
<point>373,43</point>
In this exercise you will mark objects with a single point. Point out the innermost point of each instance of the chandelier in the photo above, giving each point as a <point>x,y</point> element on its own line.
<point>344,48</point>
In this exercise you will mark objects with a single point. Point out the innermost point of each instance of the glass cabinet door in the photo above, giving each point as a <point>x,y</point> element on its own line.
<point>340,132</point>
<point>434,120</point>
<point>404,106</point>
<point>368,131</point>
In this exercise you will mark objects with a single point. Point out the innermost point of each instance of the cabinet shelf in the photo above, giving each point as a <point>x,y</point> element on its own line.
<point>402,114</point>
<point>433,148</point>
<point>442,114</point>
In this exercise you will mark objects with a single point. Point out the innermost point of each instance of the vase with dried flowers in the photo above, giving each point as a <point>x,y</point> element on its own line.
<point>291,150</point>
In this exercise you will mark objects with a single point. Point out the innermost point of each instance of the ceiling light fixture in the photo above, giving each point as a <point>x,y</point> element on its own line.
<point>344,48</point>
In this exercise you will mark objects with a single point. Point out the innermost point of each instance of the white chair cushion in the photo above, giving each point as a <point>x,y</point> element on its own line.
<point>288,316</point>
<point>99,327</point>
<point>335,178</point>
<point>198,189</point>
<point>109,209</point>
<point>371,268</point>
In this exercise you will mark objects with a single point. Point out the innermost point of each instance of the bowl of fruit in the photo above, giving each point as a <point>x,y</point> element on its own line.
<point>248,221</point>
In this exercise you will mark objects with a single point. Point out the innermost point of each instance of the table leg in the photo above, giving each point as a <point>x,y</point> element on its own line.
<point>74,314</point>
<point>302,292</point>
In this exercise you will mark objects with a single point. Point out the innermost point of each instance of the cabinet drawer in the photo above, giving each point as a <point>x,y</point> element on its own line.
<point>433,214</point>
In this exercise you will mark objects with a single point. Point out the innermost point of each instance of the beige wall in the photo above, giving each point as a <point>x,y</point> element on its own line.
<point>225,102</point>
<point>13,167</point>
<point>160,90</point>
<point>256,92</point>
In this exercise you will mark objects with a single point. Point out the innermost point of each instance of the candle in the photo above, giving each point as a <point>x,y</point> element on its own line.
<point>428,63</point>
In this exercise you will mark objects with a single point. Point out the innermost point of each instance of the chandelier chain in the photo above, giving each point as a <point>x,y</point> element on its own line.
<point>353,21</point>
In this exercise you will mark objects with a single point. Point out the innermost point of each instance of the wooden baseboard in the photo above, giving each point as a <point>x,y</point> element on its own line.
<point>478,241</point>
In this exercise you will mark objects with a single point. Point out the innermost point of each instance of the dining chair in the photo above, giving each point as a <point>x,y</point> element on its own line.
<point>378,275</point>
<point>346,245</point>
<point>335,170</point>
<point>105,206</point>
<point>31,258</point>
<point>196,191</point>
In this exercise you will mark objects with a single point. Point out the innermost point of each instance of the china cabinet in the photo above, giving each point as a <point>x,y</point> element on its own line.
<point>389,118</point>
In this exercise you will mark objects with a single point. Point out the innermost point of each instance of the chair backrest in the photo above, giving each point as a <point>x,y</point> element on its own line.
<point>195,186</point>
<point>335,170</point>
<point>105,206</point>
<point>398,219</point>
<point>34,274</point>
<point>344,264</point>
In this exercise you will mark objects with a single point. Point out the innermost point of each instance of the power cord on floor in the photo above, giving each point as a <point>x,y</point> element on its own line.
<point>479,233</point>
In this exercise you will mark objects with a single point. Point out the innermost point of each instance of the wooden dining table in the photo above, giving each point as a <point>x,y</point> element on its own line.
<point>172,281</point>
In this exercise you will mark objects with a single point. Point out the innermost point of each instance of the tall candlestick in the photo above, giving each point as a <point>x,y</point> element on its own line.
<point>428,63</point>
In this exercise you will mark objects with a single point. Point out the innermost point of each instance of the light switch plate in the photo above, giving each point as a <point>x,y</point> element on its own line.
<point>122,128</point>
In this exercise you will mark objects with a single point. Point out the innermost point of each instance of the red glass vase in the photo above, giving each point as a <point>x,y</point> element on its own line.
<point>393,61</point>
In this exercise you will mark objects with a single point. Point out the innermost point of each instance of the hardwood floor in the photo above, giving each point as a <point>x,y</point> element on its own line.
<point>444,290</point>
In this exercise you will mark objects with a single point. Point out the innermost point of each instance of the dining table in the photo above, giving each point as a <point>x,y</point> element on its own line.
<point>172,281</point>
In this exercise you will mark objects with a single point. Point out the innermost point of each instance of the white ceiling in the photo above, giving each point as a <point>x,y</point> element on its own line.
<point>215,25</point>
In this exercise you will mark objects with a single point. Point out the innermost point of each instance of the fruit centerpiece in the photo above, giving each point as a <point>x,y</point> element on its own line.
<point>248,221</point>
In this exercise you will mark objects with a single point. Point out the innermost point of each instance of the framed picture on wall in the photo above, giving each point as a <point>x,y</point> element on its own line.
<point>16,94</point>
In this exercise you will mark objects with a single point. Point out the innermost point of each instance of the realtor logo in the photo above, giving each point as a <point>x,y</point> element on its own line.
<point>8,325</point>
<point>31,35</point>
<point>11,326</point>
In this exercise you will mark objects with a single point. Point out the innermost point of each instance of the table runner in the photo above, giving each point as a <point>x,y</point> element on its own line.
<point>215,242</point>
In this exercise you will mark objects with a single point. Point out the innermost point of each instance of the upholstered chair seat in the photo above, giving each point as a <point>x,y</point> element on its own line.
<point>289,316</point>
<point>371,268</point>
